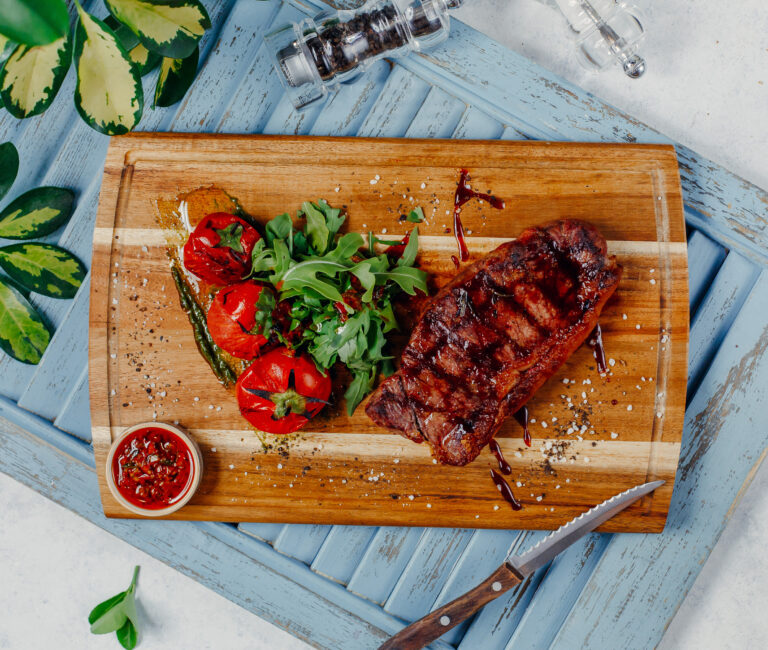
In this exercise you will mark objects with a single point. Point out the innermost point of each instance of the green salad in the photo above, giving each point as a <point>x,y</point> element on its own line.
<point>334,293</point>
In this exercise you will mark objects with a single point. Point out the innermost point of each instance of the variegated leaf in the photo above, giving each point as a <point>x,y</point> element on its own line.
<point>144,59</point>
<point>108,95</point>
<point>23,333</point>
<point>32,76</point>
<point>169,27</point>
<point>36,213</point>
<point>9,167</point>
<point>43,268</point>
<point>34,22</point>
<point>175,78</point>
<point>140,55</point>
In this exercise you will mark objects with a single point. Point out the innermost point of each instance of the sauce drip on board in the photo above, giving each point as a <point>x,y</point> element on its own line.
<point>504,467</point>
<point>596,343</point>
<point>522,417</point>
<point>464,193</point>
<point>503,487</point>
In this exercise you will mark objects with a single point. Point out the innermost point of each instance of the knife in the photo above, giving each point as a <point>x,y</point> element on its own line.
<point>514,570</point>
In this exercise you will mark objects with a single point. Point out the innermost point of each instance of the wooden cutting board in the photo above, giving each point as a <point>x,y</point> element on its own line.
<point>344,470</point>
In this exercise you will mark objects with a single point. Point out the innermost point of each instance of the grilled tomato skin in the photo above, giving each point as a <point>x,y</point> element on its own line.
<point>280,392</point>
<point>219,249</point>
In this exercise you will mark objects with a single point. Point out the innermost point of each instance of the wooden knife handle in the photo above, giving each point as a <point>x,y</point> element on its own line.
<point>435,624</point>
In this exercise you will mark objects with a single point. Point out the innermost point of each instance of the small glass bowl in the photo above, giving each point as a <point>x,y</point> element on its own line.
<point>197,470</point>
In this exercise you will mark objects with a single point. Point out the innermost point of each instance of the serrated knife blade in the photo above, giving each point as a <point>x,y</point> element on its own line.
<point>514,570</point>
<point>560,539</point>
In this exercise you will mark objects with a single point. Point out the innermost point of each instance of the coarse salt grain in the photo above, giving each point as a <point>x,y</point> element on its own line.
<point>652,281</point>
<point>231,467</point>
<point>629,407</point>
<point>614,435</point>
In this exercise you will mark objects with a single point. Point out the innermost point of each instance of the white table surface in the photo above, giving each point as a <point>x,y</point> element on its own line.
<point>707,87</point>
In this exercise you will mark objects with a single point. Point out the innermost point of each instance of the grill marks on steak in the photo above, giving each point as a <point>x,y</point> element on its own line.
<point>492,336</point>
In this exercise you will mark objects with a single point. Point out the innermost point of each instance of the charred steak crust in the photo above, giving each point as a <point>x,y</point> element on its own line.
<point>492,336</point>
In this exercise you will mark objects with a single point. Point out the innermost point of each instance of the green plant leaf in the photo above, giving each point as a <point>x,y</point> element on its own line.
<point>144,59</point>
<point>114,615</point>
<point>32,76</point>
<point>112,619</point>
<point>411,249</point>
<point>139,55</point>
<point>416,215</point>
<point>317,228</point>
<point>23,333</point>
<point>36,213</point>
<point>127,635</point>
<point>127,38</point>
<point>278,228</point>
<point>361,385</point>
<point>102,608</point>
<point>34,22</point>
<point>176,76</point>
<point>169,27</point>
<point>9,167</point>
<point>44,268</point>
<point>108,95</point>
<point>407,277</point>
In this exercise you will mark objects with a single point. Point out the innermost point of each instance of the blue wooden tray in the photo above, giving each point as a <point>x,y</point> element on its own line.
<point>346,587</point>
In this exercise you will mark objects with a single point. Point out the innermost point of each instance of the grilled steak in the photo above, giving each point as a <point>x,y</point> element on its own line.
<point>491,337</point>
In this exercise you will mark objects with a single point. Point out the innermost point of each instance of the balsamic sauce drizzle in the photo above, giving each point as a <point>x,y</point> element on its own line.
<point>503,487</point>
<point>504,467</point>
<point>522,417</point>
<point>596,343</point>
<point>464,193</point>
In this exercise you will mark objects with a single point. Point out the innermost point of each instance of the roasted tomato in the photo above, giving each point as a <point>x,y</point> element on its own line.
<point>219,248</point>
<point>280,393</point>
<point>240,318</point>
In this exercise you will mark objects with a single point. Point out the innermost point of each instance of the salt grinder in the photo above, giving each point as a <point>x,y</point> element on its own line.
<point>317,54</point>
<point>606,32</point>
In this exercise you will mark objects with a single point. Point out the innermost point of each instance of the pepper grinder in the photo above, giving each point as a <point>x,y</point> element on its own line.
<point>317,54</point>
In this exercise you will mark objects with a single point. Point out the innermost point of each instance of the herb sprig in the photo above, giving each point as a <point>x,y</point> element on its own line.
<point>338,291</point>
<point>118,615</point>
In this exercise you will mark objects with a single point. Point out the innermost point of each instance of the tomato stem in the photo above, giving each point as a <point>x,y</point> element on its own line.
<point>288,402</point>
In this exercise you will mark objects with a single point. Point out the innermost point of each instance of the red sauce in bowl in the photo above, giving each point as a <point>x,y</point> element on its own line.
<point>153,468</point>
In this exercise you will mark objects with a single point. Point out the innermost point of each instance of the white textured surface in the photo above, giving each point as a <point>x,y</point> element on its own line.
<point>55,567</point>
<point>707,87</point>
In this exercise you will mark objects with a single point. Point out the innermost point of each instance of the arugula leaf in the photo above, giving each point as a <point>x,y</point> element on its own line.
<point>408,278</point>
<point>411,249</point>
<point>304,274</point>
<point>346,247</point>
<point>118,614</point>
<point>264,306</point>
<point>278,228</point>
<point>416,215</point>
<point>363,272</point>
<point>333,217</point>
<point>362,384</point>
<point>317,228</point>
